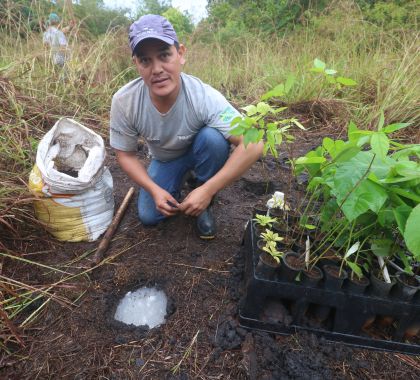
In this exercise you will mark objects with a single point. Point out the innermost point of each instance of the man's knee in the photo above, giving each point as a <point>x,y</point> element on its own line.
<point>210,136</point>
<point>148,218</point>
<point>211,140</point>
<point>148,215</point>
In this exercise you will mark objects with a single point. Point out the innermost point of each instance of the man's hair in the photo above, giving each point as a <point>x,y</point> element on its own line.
<point>136,51</point>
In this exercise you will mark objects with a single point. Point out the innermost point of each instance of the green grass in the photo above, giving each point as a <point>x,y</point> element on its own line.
<point>385,65</point>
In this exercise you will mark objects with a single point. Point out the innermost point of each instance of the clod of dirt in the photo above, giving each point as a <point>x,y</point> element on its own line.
<point>227,337</point>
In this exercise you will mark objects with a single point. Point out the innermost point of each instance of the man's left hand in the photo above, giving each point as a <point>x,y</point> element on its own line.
<point>196,201</point>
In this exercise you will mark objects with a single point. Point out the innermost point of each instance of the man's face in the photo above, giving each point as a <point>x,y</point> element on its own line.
<point>159,64</point>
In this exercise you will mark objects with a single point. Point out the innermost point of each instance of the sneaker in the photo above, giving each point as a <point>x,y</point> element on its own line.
<point>206,225</point>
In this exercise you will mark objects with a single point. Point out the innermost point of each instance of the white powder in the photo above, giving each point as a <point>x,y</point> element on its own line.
<point>145,306</point>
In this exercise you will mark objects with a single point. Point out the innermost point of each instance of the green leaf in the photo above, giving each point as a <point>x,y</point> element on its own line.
<point>277,92</point>
<point>381,247</point>
<point>280,109</point>
<point>408,169</point>
<point>356,269</point>
<point>248,121</point>
<point>347,153</point>
<point>319,64</point>
<point>251,136</point>
<point>351,130</point>
<point>263,108</point>
<point>406,194</point>
<point>316,70</point>
<point>346,81</point>
<point>330,71</point>
<point>273,151</point>
<point>278,138</point>
<point>401,214</point>
<point>298,124</point>
<point>289,83</point>
<point>354,248</point>
<point>361,132</point>
<point>406,152</point>
<point>406,262</point>
<point>356,193</point>
<point>238,131</point>
<point>310,160</point>
<point>236,120</point>
<point>395,127</point>
<point>386,217</point>
<point>366,159</point>
<point>380,144</point>
<point>331,79</point>
<point>309,226</point>
<point>366,266</point>
<point>250,110</point>
<point>270,138</point>
<point>329,145</point>
<point>266,147</point>
<point>411,233</point>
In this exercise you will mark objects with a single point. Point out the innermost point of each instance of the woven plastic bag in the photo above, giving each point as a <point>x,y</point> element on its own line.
<point>73,188</point>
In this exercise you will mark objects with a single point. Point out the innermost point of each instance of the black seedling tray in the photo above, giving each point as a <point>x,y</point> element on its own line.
<point>346,316</point>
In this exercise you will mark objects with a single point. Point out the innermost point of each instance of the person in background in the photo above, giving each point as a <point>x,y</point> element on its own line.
<point>56,41</point>
<point>185,124</point>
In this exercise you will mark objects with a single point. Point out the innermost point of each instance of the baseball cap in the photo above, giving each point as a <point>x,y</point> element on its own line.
<point>151,26</point>
<point>53,17</point>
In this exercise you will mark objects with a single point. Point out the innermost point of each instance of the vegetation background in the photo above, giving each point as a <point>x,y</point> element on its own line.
<point>243,48</point>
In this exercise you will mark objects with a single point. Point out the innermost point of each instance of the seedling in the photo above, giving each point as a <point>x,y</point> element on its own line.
<point>261,121</point>
<point>269,236</point>
<point>277,201</point>
<point>368,189</point>
<point>352,265</point>
<point>271,249</point>
<point>264,220</point>
<point>330,75</point>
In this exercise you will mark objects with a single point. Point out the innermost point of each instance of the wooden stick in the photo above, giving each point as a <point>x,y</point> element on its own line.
<point>103,246</point>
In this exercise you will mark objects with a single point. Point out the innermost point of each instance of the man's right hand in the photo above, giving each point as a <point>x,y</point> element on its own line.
<point>166,204</point>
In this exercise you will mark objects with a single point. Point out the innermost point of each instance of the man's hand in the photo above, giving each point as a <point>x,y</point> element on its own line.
<point>166,204</point>
<point>196,201</point>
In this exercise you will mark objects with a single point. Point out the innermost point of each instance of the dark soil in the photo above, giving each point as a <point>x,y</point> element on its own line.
<point>409,280</point>
<point>269,260</point>
<point>202,338</point>
<point>295,262</point>
<point>359,280</point>
<point>334,271</point>
<point>313,273</point>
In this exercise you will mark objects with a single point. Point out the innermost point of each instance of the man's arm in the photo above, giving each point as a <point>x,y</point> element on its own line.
<point>137,172</point>
<point>237,164</point>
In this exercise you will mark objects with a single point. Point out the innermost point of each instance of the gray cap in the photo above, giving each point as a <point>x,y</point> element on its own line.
<point>151,26</point>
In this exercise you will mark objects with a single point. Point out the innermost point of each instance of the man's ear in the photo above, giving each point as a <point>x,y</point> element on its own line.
<point>181,51</point>
<point>134,58</point>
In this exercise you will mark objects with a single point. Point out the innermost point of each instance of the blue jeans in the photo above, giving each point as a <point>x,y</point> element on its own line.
<point>206,156</point>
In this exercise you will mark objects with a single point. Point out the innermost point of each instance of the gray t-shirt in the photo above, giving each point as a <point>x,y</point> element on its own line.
<point>168,135</point>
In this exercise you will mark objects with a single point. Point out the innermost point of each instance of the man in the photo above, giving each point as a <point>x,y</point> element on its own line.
<point>56,40</point>
<point>186,126</point>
